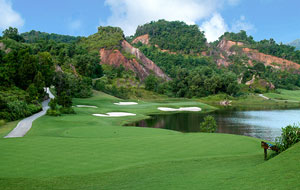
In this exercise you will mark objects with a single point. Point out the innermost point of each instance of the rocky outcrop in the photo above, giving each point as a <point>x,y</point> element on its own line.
<point>116,58</point>
<point>144,39</point>
<point>58,69</point>
<point>3,48</point>
<point>227,47</point>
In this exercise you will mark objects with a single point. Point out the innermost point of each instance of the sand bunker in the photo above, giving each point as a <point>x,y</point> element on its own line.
<point>86,106</point>
<point>126,103</point>
<point>115,114</point>
<point>180,109</point>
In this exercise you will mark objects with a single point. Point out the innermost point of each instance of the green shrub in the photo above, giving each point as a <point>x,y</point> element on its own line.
<point>209,125</point>
<point>53,104</point>
<point>51,112</point>
<point>290,135</point>
<point>2,122</point>
<point>66,110</point>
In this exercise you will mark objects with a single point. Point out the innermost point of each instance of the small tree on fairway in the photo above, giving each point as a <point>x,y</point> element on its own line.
<point>209,125</point>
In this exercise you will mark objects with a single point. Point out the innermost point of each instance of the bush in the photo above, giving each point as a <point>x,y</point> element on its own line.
<point>51,112</point>
<point>53,104</point>
<point>209,125</point>
<point>290,135</point>
<point>2,122</point>
<point>66,110</point>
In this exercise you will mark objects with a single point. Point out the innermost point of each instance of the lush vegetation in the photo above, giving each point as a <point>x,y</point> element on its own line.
<point>36,36</point>
<point>192,76</point>
<point>269,47</point>
<point>106,37</point>
<point>27,68</point>
<point>174,36</point>
<point>290,135</point>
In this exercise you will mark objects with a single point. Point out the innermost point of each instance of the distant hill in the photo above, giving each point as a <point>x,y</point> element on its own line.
<point>295,43</point>
<point>35,36</point>
<point>174,36</point>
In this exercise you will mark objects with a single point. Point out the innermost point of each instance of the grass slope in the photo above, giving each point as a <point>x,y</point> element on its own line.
<point>288,95</point>
<point>7,127</point>
<point>85,152</point>
<point>255,102</point>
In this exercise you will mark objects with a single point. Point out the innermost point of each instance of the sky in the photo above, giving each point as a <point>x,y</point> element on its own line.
<point>263,19</point>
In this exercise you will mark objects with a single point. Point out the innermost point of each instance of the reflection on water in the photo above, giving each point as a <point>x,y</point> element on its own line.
<point>260,124</point>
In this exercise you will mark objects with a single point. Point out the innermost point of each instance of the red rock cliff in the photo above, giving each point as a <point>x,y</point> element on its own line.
<point>116,58</point>
<point>268,60</point>
<point>144,39</point>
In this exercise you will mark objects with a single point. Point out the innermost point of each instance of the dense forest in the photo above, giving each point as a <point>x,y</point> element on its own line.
<point>174,36</point>
<point>27,68</point>
<point>35,36</point>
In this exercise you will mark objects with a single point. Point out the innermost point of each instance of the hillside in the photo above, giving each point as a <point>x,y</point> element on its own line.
<point>295,43</point>
<point>35,36</point>
<point>114,50</point>
<point>229,48</point>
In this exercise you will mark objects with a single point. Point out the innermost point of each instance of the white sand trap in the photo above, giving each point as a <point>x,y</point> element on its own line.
<point>180,109</point>
<point>86,106</point>
<point>115,114</point>
<point>126,103</point>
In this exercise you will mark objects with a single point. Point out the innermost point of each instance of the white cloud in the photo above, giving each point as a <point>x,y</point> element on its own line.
<point>128,14</point>
<point>214,27</point>
<point>242,24</point>
<point>75,25</point>
<point>9,17</point>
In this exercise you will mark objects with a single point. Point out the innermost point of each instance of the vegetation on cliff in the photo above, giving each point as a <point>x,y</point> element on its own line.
<point>106,37</point>
<point>174,36</point>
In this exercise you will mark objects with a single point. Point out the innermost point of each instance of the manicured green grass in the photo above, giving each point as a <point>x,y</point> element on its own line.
<point>289,95</point>
<point>7,127</point>
<point>255,102</point>
<point>86,152</point>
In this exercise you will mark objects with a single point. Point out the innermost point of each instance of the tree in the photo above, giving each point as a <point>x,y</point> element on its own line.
<point>209,125</point>
<point>13,33</point>
<point>53,104</point>
<point>46,67</point>
<point>151,83</point>
<point>39,83</point>
<point>33,92</point>
<point>65,100</point>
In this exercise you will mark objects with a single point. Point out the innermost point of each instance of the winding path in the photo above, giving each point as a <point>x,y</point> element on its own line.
<point>24,125</point>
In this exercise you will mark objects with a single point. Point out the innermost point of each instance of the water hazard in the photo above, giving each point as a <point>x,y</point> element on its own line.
<point>260,124</point>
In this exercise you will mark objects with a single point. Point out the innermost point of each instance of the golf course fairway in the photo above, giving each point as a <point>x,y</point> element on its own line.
<point>81,151</point>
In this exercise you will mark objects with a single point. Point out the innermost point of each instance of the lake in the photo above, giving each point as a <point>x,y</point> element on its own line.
<point>260,124</point>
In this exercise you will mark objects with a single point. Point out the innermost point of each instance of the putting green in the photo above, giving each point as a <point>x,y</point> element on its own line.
<point>85,152</point>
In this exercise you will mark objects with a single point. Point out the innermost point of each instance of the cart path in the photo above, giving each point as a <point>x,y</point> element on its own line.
<point>24,125</point>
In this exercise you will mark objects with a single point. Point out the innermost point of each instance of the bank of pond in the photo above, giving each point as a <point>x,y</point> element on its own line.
<point>262,124</point>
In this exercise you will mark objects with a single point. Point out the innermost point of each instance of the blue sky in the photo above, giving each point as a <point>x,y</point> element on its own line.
<point>278,19</point>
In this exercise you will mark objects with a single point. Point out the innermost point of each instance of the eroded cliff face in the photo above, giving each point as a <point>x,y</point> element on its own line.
<point>144,39</point>
<point>116,58</point>
<point>226,47</point>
